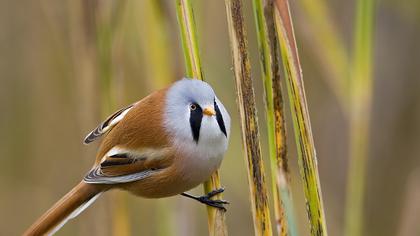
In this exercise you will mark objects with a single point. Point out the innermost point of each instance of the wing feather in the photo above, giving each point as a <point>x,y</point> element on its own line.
<point>107,124</point>
<point>95,176</point>
<point>123,166</point>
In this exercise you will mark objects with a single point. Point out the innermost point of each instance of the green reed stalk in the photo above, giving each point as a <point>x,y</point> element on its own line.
<point>105,28</point>
<point>269,58</point>
<point>159,72</point>
<point>216,217</point>
<point>301,122</point>
<point>329,48</point>
<point>249,124</point>
<point>361,99</point>
<point>284,190</point>
<point>157,44</point>
<point>189,39</point>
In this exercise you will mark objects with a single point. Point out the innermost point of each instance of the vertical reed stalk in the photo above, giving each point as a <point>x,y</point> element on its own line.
<point>160,72</point>
<point>189,39</point>
<point>301,123</point>
<point>268,47</point>
<point>249,124</point>
<point>157,44</point>
<point>361,96</point>
<point>216,217</point>
<point>106,25</point>
<point>329,48</point>
<point>284,190</point>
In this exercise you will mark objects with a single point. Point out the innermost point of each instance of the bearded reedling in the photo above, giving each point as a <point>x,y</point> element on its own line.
<point>163,145</point>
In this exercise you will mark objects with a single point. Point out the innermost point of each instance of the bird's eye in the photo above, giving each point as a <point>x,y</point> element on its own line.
<point>193,107</point>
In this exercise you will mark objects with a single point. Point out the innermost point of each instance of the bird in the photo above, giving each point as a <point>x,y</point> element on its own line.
<point>163,145</point>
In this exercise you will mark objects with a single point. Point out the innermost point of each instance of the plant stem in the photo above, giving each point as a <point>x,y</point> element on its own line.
<point>106,26</point>
<point>301,122</point>
<point>284,190</point>
<point>329,47</point>
<point>160,72</point>
<point>216,217</point>
<point>249,124</point>
<point>361,96</point>
<point>189,39</point>
<point>269,58</point>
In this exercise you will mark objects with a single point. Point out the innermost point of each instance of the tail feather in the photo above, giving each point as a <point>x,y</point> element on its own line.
<point>74,214</point>
<point>68,207</point>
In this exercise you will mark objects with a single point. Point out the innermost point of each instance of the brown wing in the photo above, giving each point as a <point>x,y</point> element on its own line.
<point>126,166</point>
<point>107,124</point>
<point>142,127</point>
<point>136,147</point>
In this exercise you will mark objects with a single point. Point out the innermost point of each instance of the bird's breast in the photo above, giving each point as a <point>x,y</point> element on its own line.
<point>199,160</point>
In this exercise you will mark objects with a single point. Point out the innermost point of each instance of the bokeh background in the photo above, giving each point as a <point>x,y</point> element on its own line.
<point>65,65</point>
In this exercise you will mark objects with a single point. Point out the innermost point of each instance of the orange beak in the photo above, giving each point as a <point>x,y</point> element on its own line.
<point>209,111</point>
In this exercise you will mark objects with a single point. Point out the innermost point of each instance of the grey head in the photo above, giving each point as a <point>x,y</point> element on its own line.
<point>195,115</point>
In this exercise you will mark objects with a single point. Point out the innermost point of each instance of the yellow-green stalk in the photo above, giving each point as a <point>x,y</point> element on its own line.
<point>216,217</point>
<point>301,123</point>
<point>283,185</point>
<point>267,43</point>
<point>361,98</point>
<point>159,73</point>
<point>329,48</point>
<point>249,124</point>
<point>104,28</point>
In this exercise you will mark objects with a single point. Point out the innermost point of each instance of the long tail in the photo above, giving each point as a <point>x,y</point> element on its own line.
<point>68,207</point>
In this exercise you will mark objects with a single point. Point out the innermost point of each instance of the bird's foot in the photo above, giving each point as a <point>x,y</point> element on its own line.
<point>206,199</point>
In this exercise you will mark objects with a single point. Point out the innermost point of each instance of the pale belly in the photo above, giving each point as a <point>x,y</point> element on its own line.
<point>186,173</point>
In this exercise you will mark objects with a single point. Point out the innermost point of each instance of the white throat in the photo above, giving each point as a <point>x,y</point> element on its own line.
<point>204,157</point>
<point>211,143</point>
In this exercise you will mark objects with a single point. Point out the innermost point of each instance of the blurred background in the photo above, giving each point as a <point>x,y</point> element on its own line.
<point>66,65</point>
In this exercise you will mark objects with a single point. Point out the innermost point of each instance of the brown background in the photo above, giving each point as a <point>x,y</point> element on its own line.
<point>50,97</point>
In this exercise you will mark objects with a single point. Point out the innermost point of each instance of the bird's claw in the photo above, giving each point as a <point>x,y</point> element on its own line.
<point>206,199</point>
<point>217,203</point>
<point>215,192</point>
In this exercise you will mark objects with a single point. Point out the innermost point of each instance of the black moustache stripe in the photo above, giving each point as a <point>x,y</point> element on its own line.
<point>195,121</point>
<point>219,118</point>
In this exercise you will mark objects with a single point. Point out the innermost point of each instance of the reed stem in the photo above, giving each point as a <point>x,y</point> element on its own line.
<point>249,124</point>
<point>330,49</point>
<point>160,72</point>
<point>269,58</point>
<point>301,122</point>
<point>106,26</point>
<point>361,99</point>
<point>189,39</point>
<point>284,190</point>
<point>216,217</point>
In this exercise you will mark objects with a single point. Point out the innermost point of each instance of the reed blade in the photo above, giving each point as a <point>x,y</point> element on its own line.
<point>216,217</point>
<point>105,29</point>
<point>329,48</point>
<point>303,133</point>
<point>270,67</point>
<point>361,99</point>
<point>249,124</point>
<point>156,43</point>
